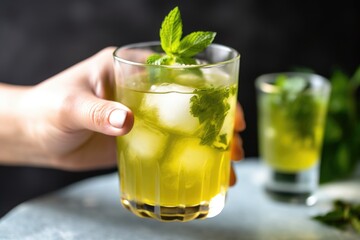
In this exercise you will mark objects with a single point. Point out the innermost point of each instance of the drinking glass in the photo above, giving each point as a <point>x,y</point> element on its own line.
<point>292,109</point>
<point>174,165</point>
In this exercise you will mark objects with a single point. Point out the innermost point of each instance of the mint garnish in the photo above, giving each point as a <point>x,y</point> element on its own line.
<point>300,107</point>
<point>177,50</point>
<point>210,106</point>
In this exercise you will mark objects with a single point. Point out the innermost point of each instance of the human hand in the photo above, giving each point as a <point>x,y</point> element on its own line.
<point>70,124</point>
<point>68,120</point>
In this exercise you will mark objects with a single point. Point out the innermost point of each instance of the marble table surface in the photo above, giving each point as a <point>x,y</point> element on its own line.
<point>91,209</point>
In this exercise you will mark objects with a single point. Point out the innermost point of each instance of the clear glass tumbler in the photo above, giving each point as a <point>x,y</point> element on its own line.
<point>174,164</point>
<point>292,109</point>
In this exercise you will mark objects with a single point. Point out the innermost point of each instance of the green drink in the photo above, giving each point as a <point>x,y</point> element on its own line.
<point>292,111</point>
<point>175,162</point>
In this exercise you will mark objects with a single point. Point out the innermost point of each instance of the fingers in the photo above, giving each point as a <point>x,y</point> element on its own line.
<point>88,105</point>
<point>99,115</point>
<point>237,151</point>
<point>239,119</point>
<point>101,73</point>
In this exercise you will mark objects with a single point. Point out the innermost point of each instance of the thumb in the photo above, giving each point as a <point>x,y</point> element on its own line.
<point>103,116</point>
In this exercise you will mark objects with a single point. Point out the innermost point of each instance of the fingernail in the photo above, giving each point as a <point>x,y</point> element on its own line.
<point>117,118</point>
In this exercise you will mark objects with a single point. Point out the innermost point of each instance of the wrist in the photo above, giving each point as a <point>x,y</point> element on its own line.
<point>13,140</point>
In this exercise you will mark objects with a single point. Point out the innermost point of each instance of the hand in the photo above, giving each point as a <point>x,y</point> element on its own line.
<point>237,152</point>
<point>70,122</point>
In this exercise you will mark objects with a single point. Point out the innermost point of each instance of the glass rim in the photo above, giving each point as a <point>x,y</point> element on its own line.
<point>264,82</point>
<point>235,58</point>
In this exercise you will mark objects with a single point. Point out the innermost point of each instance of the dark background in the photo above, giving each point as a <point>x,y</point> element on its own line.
<point>40,38</point>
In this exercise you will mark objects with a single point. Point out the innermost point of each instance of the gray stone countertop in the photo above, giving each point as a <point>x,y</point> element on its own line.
<point>91,209</point>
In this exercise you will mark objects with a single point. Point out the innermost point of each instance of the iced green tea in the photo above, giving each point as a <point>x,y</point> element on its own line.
<point>175,162</point>
<point>292,110</point>
<point>291,121</point>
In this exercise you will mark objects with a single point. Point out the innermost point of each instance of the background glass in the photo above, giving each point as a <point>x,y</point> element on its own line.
<point>168,170</point>
<point>291,116</point>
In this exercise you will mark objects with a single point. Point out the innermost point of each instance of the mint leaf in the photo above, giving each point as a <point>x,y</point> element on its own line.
<point>185,60</point>
<point>158,59</point>
<point>179,51</point>
<point>292,85</point>
<point>153,59</point>
<point>195,43</point>
<point>171,31</point>
<point>211,106</point>
<point>299,106</point>
<point>342,216</point>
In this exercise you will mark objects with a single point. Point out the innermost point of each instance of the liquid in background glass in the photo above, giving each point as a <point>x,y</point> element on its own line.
<point>291,116</point>
<point>168,170</point>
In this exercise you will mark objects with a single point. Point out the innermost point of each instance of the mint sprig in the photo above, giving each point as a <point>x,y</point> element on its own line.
<point>300,107</point>
<point>343,215</point>
<point>179,50</point>
<point>210,106</point>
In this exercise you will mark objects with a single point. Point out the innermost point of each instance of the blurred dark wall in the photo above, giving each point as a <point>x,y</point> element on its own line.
<point>41,38</point>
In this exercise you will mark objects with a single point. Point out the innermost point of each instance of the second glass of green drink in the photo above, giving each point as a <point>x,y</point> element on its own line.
<point>292,109</point>
<point>174,164</point>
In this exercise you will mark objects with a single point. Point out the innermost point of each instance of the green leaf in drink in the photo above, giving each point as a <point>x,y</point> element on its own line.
<point>209,107</point>
<point>300,107</point>
<point>209,104</point>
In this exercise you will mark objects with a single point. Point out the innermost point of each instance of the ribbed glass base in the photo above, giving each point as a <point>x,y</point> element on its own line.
<point>176,213</point>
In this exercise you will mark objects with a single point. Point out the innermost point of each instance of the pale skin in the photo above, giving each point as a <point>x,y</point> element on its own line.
<point>68,122</point>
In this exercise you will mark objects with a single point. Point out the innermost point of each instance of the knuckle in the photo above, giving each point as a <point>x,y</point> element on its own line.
<point>106,52</point>
<point>98,113</point>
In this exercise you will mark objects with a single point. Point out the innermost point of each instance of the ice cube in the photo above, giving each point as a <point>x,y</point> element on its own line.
<point>146,141</point>
<point>171,105</point>
<point>216,77</point>
<point>189,161</point>
<point>187,170</point>
<point>190,79</point>
<point>188,154</point>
